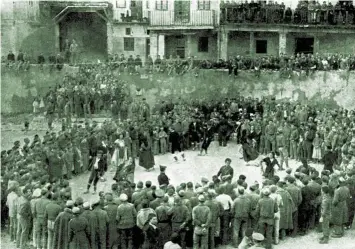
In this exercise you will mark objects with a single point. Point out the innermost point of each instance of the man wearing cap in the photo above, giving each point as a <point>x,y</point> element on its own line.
<point>340,208</point>
<point>11,204</point>
<point>163,178</point>
<point>158,200</point>
<point>52,210</point>
<point>97,170</point>
<point>111,209</point>
<point>23,207</point>
<point>227,203</point>
<point>296,196</point>
<point>216,209</point>
<point>92,220</point>
<point>226,169</point>
<point>258,239</point>
<point>254,198</point>
<point>266,210</point>
<point>38,213</point>
<point>163,221</point>
<point>240,213</point>
<point>201,219</point>
<point>78,229</point>
<point>102,224</point>
<point>180,217</point>
<point>126,220</point>
<point>61,226</point>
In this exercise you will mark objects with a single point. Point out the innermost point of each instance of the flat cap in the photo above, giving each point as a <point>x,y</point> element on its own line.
<point>258,236</point>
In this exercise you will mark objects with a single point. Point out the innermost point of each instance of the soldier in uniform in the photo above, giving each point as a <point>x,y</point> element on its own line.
<point>163,178</point>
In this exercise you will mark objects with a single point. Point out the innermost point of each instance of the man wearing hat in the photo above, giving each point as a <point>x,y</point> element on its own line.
<point>159,194</point>
<point>78,229</point>
<point>111,209</point>
<point>38,214</point>
<point>266,221</point>
<point>97,170</point>
<point>215,209</point>
<point>61,227</point>
<point>126,220</point>
<point>92,220</point>
<point>340,208</point>
<point>258,239</point>
<point>11,204</point>
<point>23,217</point>
<point>163,178</point>
<point>240,213</point>
<point>51,213</point>
<point>163,220</point>
<point>201,219</point>
<point>296,196</point>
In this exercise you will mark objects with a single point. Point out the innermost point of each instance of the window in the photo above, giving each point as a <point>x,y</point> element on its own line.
<point>128,44</point>
<point>261,46</point>
<point>133,3</point>
<point>147,4</point>
<point>203,5</point>
<point>121,4</point>
<point>203,44</point>
<point>161,4</point>
<point>128,31</point>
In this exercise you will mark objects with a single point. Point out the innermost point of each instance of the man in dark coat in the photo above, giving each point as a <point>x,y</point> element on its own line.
<point>97,170</point>
<point>92,219</point>
<point>78,229</point>
<point>329,159</point>
<point>61,226</point>
<point>111,209</point>
<point>163,178</point>
<point>52,211</point>
<point>102,224</point>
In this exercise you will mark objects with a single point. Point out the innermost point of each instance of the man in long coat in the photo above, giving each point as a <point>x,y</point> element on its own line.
<point>78,229</point>
<point>61,226</point>
<point>340,209</point>
<point>102,224</point>
<point>163,222</point>
<point>286,209</point>
<point>111,209</point>
<point>296,195</point>
<point>92,219</point>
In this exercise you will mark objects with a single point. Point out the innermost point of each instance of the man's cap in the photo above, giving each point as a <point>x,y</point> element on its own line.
<point>181,193</point>
<point>201,198</point>
<point>79,201</point>
<point>76,210</point>
<point>204,179</point>
<point>258,237</point>
<point>162,167</point>
<point>86,205</point>
<point>289,171</point>
<point>69,203</point>
<point>159,193</point>
<point>266,191</point>
<point>123,197</point>
<point>199,191</point>
<point>140,184</point>
<point>37,193</point>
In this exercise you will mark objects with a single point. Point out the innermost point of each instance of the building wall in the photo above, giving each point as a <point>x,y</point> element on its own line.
<point>339,43</point>
<point>211,54</point>
<point>138,32</point>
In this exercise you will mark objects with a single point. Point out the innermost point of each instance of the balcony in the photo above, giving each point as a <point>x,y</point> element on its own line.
<point>198,19</point>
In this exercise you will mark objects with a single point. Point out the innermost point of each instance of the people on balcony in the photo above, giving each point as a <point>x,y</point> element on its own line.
<point>306,12</point>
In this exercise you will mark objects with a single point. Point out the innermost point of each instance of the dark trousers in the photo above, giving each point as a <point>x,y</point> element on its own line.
<point>94,178</point>
<point>294,231</point>
<point>125,238</point>
<point>182,233</point>
<point>304,218</point>
<point>225,220</point>
<point>266,229</point>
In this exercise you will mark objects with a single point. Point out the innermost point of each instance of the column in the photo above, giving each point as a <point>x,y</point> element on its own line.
<point>316,44</point>
<point>188,45</point>
<point>109,38</point>
<point>252,44</point>
<point>56,35</point>
<point>153,45</point>
<point>161,45</point>
<point>222,43</point>
<point>282,43</point>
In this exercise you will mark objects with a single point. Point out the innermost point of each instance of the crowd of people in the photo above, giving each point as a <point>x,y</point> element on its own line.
<point>306,12</point>
<point>35,176</point>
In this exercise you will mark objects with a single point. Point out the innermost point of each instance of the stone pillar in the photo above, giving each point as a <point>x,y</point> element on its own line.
<point>252,44</point>
<point>109,38</point>
<point>316,44</point>
<point>161,45</point>
<point>56,35</point>
<point>282,43</point>
<point>188,46</point>
<point>153,45</point>
<point>222,44</point>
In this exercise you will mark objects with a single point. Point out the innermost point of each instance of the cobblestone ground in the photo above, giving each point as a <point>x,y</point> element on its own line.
<point>190,170</point>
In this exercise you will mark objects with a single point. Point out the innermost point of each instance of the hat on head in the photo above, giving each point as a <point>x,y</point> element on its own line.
<point>258,237</point>
<point>123,197</point>
<point>76,210</point>
<point>341,179</point>
<point>266,191</point>
<point>79,201</point>
<point>204,179</point>
<point>162,167</point>
<point>69,204</point>
<point>289,171</point>
<point>37,193</point>
<point>181,193</point>
<point>199,191</point>
<point>201,198</point>
<point>159,193</point>
<point>86,205</point>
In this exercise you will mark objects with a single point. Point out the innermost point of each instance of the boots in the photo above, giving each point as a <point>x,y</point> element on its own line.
<point>324,240</point>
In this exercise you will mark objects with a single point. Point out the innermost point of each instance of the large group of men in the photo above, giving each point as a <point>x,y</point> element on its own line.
<point>222,209</point>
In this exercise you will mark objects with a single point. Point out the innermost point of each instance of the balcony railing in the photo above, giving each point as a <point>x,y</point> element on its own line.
<point>121,15</point>
<point>197,18</point>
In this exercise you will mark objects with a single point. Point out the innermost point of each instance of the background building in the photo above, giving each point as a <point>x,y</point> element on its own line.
<point>206,29</point>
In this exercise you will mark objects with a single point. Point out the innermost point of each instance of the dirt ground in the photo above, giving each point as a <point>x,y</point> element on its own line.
<point>190,170</point>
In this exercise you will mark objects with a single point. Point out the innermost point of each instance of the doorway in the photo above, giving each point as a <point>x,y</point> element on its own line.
<point>304,45</point>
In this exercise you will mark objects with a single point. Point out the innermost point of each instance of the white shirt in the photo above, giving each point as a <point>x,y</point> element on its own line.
<point>96,164</point>
<point>225,200</point>
<point>171,245</point>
